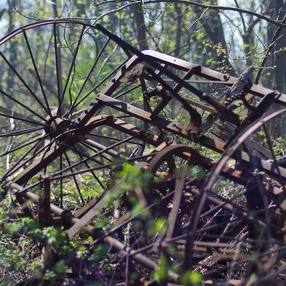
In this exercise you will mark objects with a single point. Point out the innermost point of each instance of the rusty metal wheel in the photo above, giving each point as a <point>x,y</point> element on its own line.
<point>66,112</point>
<point>177,171</point>
<point>68,119</point>
<point>51,73</point>
<point>175,164</point>
<point>244,231</point>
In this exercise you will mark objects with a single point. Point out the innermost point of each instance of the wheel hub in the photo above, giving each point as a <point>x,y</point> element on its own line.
<point>58,127</point>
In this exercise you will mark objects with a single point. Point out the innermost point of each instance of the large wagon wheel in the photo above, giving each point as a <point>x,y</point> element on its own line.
<point>51,72</point>
<point>249,217</point>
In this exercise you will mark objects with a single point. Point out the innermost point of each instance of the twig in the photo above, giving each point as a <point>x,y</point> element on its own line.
<point>241,17</point>
<point>202,15</point>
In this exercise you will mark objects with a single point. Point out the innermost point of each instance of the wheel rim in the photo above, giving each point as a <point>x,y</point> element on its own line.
<point>254,214</point>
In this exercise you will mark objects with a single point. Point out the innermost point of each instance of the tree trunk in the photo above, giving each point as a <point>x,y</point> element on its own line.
<point>141,27</point>
<point>179,18</point>
<point>276,79</point>
<point>278,58</point>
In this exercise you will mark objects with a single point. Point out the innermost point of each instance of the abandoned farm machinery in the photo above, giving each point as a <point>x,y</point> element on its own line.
<point>162,161</point>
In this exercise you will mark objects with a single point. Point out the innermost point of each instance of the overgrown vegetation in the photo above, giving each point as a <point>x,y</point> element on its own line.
<point>36,251</point>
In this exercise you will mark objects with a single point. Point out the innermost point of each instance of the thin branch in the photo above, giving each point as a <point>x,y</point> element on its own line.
<point>270,47</point>
<point>255,21</point>
<point>198,19</point>
<point>214,7</point>
<point>241,17</point>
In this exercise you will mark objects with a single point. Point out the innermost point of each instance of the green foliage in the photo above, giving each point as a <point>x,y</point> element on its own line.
<point>192,278</point>
<point>161,273</point>
<point>279,147</point>
<point>26,240</point>
<point>127,178</point>
<point>15,243</point>
<point>189,278</point>
<point>54,236</point>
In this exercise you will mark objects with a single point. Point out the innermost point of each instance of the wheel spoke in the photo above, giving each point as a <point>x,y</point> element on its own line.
<point>25,84</point>
<point>21,104</point>
<point>77,101</point>
<point>47,108</point>
<point>72,66</point>
<point>58,68</point>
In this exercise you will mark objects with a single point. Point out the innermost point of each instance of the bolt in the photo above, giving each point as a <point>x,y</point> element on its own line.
<point>226,77</point>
